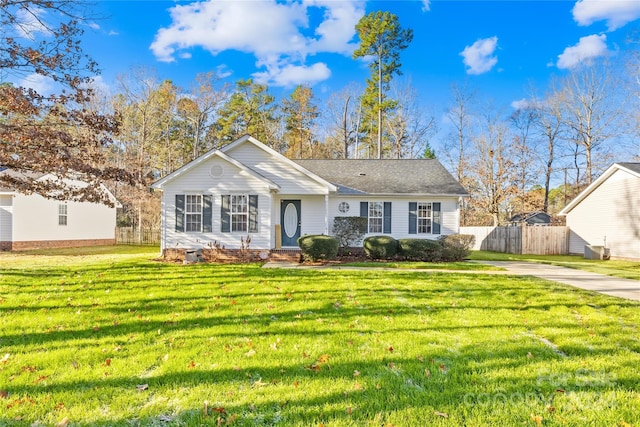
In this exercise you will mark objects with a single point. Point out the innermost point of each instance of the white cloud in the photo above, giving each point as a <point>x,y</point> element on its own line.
<point>277,34</point>
<point>426,5</point>
<point>479,57</point>
<point>42,84</point>
<point>521,104</point>
<point>30,23</point>
<point>617,13</point>
<point>290,75</point>
<point>587,49</point>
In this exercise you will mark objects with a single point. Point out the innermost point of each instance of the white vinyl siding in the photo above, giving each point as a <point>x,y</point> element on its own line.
<point>232,181</point>
<point>449,215</point>
<point>611,214</point>
<point>85,221</point>
<point>289,179</point>
<point>6,218</point>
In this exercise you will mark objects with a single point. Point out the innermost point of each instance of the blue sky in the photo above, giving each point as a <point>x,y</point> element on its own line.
<point>499,48</point>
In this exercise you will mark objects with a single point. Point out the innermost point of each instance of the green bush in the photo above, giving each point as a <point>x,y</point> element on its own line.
<point>421,250</point>
<point>318,246</point>
<point>380,247</point>
<point>457,247</point>
<point>349,230</point>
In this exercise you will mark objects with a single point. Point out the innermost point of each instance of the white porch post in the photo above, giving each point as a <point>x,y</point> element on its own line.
<point>326,214</point>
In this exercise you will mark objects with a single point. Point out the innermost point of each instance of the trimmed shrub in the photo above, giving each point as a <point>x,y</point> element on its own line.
<point>421,250</point>
<point>318,246</point>
<point>349,230</point>
<point>380,247</point>
<point>457,247</point>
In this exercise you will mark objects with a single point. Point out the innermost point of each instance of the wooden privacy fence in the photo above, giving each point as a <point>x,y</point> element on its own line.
<point>521,240</point>
<point>135,236</point>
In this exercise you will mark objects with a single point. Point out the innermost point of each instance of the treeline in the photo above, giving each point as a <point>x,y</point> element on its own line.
<point>533,156</point>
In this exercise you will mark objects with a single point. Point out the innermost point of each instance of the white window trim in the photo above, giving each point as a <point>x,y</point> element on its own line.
<point>187,212</point>
<point>233,214</point>
<point>380,218</point>
<point>63,214</point>
<point>429,218</point>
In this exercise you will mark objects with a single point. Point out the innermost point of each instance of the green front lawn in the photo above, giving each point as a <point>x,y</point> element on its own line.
<point>625,269</point>
<point>118,339</point>
<point>416,265</point>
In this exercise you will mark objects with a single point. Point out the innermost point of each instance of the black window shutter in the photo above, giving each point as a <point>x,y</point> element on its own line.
<point>413,218</point>
<point>180,212</point>
<point>435,228</point>
<point>364,209</point>
<point>207,213</point>
<point>387,218</point>
<point>225,219</point>
<point>253,213</point>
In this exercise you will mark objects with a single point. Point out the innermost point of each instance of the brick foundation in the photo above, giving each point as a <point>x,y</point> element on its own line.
<point>53,244</point>
<point>230,255</point>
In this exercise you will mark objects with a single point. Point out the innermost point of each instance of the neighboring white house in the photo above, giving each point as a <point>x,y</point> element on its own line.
<point>607,213</point>
<point>247,189</point>
<point>34,222</point>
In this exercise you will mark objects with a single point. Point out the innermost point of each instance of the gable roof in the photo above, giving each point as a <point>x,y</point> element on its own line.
<point>536,217</point>
<point>221,152</point>
<point>386,176</point>
<point>630,167</point>
<point>36,176</point>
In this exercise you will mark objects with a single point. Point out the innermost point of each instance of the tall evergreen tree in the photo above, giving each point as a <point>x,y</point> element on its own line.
<point>381,38</point>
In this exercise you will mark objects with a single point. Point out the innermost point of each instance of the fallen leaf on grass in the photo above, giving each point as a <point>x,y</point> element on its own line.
<point>63,422</point>
<point>107,362</point>
<point>142,387</point>
<point>356,373</point>
<point>324,358</point>
<point>4,394</point>
<point>537,419</point>
<point>250,353</point>
<point>5,358</point>
<point>440,414</point>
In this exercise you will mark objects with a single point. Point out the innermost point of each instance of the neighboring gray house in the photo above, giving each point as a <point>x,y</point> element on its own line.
<point>531,218</point>
<point>607,213</point>
<point>247,189</point>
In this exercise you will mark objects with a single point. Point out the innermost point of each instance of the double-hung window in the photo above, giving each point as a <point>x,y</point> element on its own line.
<point>375,217</point>
<point>424,218</point>
<point>239,211</point>
<point>193,212</point>
<point>378,216</point>
<point>62,214</point>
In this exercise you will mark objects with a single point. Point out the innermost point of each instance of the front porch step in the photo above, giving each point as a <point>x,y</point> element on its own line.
<point>291,255</point>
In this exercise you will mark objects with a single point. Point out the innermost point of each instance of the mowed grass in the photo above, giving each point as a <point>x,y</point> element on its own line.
<point>117,339</point>
<point>618,268</point>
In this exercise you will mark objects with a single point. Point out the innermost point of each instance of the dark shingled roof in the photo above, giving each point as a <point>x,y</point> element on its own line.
<point>388,176</point>
<point>631,166</point>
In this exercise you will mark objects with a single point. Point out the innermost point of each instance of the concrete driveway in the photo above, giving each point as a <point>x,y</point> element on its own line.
<point>614,286</point>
